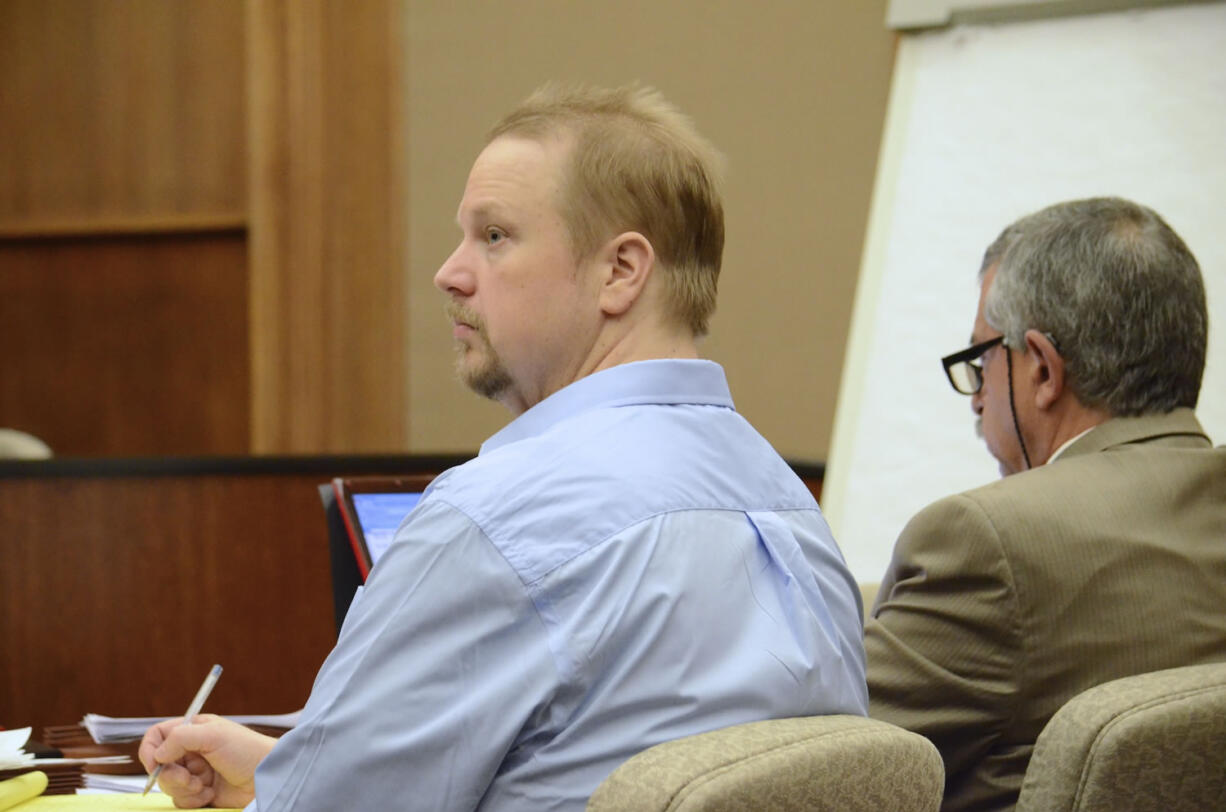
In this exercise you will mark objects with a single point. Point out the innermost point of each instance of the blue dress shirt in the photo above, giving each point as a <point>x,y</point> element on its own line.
<point>625,563</point>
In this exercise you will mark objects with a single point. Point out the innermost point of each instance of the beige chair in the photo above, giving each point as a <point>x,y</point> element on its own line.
<point>1153,741</point>
<point>845,763</point>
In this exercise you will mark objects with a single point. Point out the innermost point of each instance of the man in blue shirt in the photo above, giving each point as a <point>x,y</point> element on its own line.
<point>627,562</point>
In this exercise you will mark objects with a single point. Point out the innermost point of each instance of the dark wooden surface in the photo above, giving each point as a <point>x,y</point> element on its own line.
<point>123,581</point>
<point>117,593</point>
<point>127,346</point>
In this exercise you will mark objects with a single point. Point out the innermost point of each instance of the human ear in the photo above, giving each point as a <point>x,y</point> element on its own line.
<point>1046,370</point>
<point>629,260</point>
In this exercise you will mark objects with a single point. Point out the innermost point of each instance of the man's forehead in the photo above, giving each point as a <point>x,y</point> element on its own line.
<point>520,156</point>
<point>510,173</point>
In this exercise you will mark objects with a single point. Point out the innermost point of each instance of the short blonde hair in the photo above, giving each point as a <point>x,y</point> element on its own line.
<point>636,164</point>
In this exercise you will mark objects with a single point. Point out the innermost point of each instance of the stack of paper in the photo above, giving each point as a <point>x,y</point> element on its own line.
<point>107,729</point>
<point>96,784</point>
<point>64,775</point>
<point>12,754</point>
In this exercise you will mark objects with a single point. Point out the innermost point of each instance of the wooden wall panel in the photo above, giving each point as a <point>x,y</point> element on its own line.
<point>123,289</point>
<point>115,110</point>
<point>327,256</point>
<point>126,346</point>
<point>118,593</point>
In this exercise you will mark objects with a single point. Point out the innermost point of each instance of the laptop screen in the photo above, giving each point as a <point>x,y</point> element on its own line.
<point>362,515</point>
<point>379,514</point>
<point>372,508</point>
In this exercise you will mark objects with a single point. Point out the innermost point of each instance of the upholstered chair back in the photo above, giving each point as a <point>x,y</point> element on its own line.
<point>844,763</point>
<point>1153,741</point>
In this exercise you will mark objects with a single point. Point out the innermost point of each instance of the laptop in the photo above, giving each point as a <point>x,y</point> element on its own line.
<point>363,514</point>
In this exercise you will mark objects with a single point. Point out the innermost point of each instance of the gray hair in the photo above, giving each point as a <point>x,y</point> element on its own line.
<point>1119,292</point>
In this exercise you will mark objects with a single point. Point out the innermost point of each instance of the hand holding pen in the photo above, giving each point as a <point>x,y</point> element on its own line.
<point>206,688</point>
<point>209,762</point>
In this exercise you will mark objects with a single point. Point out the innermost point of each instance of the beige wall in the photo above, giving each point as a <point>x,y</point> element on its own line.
<point>793,92</point>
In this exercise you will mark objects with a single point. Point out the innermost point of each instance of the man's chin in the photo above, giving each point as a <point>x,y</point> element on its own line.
<point>1007,467</point>
<point>487,380</point>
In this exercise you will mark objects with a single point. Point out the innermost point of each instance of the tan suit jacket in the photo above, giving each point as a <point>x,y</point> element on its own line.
<point>1003,602</point>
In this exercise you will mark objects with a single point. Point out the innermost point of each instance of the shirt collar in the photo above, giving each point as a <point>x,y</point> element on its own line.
<point>670,381</point>
<point>1064,446</point>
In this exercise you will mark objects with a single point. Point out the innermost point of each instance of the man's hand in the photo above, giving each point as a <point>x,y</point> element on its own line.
<point>209,763</point>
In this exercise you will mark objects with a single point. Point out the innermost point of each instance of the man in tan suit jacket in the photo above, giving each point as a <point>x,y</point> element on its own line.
<point>1109,557</point>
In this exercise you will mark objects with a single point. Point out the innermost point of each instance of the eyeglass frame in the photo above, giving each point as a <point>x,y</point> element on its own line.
<point>974,353</point>
<point>969,356</point>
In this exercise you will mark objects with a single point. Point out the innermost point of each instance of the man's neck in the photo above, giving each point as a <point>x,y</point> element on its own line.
<point>616,345</point>
<point>644,343</point>
<point>1069,424</point>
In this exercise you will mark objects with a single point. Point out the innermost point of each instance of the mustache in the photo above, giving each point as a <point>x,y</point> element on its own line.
<point>979,427</point>
<point>457,312</point>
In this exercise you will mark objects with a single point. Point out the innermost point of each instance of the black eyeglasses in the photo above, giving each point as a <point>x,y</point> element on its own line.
<point>966,376</point>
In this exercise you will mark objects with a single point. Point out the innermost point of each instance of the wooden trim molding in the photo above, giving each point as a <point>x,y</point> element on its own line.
<point>125,226</point>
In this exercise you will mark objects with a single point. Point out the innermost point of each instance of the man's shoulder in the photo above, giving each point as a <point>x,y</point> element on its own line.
<point>703,455</point>
<point>1021,492</point>
<point>1065,478</point>
<point>1110,492</point>
<point>1050,495</point>
<point>590,477</point>
<point>1102,476</point>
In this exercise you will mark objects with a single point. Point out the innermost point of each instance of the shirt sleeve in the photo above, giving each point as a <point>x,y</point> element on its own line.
<point>943,644</point>
<point>441,666</point>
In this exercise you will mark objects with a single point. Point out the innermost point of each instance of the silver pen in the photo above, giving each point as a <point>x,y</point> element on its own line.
<point>206,688</point>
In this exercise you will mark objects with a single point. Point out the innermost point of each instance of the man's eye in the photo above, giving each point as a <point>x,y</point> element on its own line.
<point>494,236</point>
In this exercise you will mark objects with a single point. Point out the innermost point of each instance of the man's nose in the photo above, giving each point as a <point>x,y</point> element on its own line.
<point>453,276</point>
<point>977,402</point>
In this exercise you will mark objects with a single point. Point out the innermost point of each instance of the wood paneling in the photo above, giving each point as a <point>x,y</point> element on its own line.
<point>116,109</point>
<point>327,256</point>
<point>123,288</point>
<point>126,346</point>
<point>118,593</point>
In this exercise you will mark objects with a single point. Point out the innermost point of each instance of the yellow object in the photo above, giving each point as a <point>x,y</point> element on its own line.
<point>22,788</point>
<point>82,803</point>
